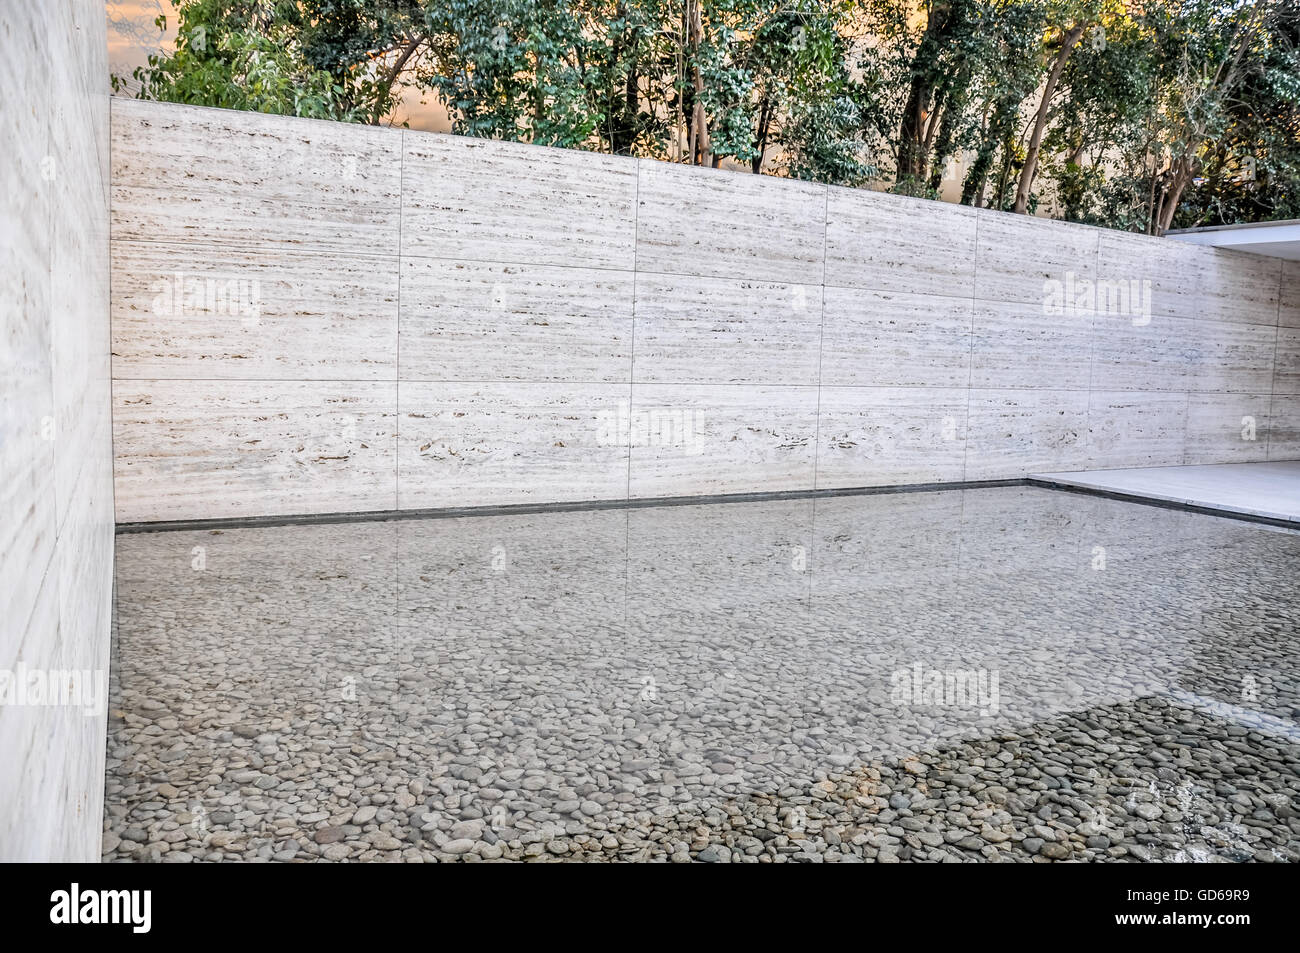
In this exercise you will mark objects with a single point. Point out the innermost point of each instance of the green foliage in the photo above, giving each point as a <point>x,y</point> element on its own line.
<point>1165,111</point>
<point>1250,171</point>
<point>243,56</point>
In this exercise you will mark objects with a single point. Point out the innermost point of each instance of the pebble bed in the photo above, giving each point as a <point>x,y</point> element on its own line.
<point>718,683</point>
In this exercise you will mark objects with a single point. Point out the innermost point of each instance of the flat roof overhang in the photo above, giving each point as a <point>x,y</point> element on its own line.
<point>1275,239</point>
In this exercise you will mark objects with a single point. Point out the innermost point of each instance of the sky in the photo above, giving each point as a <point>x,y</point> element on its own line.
<point>132,35</point>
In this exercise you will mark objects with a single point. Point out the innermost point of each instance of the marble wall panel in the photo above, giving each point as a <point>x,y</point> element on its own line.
<point>895,243</point>
<point>1231,357</point>
<point>1289,303</point>
<point>1284,428</point>
<point>1241,287</point>
<point>1012,433</point>
<point>497,321</point>
<point>1025,345</point>
<point>484,200</point>
<point>224,177</point>
<point>213,312</point>
<point>882,436</point>
<point>897,339</point>
<point>693,330</point>
<point>1286,367</point>
<point>194,449</point>
<point>490,321</point>
<point>703,440</point>
<point>1226,428</point>
<point>56,509</point>
<point>711,311</point>
<point>718,223</point>
<point>1161,354</point>
<point>1169,274</point>
<point>1030,260</point>
<point>495,443</point>
<point>1135,429</point>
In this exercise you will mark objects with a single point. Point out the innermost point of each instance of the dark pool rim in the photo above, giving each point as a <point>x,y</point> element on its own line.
<point>457,512</point>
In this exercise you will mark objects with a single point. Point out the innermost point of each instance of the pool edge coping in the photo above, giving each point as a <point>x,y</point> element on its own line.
<point>513,509</point>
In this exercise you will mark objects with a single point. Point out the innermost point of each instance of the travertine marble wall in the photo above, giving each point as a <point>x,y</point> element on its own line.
<point>56,506</point>
<point>311,317</point>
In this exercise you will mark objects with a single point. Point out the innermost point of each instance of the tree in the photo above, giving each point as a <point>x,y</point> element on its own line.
<point>1215,65</point>
<point>1251,172</point>
<point>1008,77</point>
<point>1063,46</point>
<point>1106,92</point>
<point>1136,114</point>
<point>773,81</point>
<point>248,54</point>
<point>1218,131</point>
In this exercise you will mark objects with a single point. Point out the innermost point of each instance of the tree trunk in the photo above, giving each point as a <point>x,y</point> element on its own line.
<point>1151,203</point>
<point>623,105</point>
<point>941,148</point>
<point>633,106</point>
<point>977,177</point>
<point>1030,168</point>
<point>386,84</point>
<point>1226,79</point>
<point>1004,174</point>
<point>995,133</point>
<point>700,153</point>
<point>764,124</point>
<point>912,152</point>
<point>1182,176</point>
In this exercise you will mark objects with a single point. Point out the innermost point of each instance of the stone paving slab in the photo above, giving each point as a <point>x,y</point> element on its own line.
<point>1270,490</point>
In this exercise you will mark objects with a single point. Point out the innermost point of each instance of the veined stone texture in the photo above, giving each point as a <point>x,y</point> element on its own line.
<point>895,339</point>
<point>1136,429</point>
<point>1238,286</point>
<point>1286,373</point>
<point>480,200</point>
<point>1284,428</point>
<point>1173,271</point>
<point>56,488</point>
<point>894,243</point>
<point>557,326</point>
<point>1232,427</point>
<point>493,443</point>
<point>191,174</point>
<point>200,312</point>
<point>193,449</point>
<point>1024,431</point>
<point>711,439</point>
<point>1019,258</point>
<point>1289,304</point>
<point>693,330</point>
<point>1022,345</point>
<point>500,321</point>
<point>880,436</point>
<point>712,222</point>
